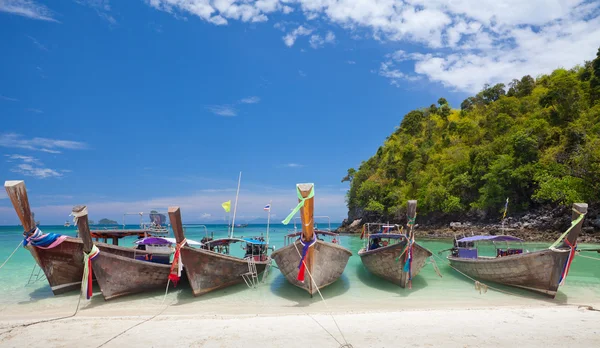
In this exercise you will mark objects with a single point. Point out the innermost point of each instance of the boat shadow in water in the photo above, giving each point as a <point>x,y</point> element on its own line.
<point>373,281</point>
<point>282,288</point>
<point>187,296</point>
<point>42,293</point>
<point>561,298</point>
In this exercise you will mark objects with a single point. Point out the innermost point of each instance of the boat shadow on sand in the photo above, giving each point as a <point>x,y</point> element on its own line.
<point>373,281</point>
<point>282,288</point>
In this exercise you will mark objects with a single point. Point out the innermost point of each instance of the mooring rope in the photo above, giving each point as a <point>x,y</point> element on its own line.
<point>587,257</point>
<point>346,344</point>
<point>11,255</point>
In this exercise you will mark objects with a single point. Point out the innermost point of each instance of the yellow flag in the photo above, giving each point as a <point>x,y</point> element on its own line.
<point>226,206</point>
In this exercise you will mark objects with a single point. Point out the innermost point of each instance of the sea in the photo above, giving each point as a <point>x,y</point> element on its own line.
<point>23,287</point>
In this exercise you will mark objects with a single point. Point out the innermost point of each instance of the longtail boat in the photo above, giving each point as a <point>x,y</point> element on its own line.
<point>392,255</point>
<point>60,257</point>
<point>118,275</point>
<point>541,271</point>
<point>211,267</point>
<point>323,261</point>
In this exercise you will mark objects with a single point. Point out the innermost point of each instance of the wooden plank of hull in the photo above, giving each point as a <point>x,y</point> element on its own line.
<point>537,271</point>
<point>119,276</point>
<point>328,264</point>
<point>382,262</point>
<point>208,271</point>
<point>63,264</point>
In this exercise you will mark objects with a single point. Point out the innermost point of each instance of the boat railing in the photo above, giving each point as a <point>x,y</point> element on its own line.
<point>377,226</point>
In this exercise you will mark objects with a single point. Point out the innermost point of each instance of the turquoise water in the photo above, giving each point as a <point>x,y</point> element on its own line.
<point>356,289</point>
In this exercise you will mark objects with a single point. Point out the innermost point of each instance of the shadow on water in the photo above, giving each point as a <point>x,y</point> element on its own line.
<point>282,288</point>
<point>186,294</point>
<point>373,281</point>
<point>42,293</point>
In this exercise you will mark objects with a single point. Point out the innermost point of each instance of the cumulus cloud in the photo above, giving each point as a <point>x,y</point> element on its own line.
<point>250,100</point>
<point>316,41</point>
<point>291,37</point>
<point>463,44</point>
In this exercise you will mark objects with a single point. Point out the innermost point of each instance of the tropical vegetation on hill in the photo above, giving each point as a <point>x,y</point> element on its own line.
<point>536,142</point>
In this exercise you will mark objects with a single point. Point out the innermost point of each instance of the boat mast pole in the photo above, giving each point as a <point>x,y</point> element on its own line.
<point>268,221</point>
<point>235,207</point>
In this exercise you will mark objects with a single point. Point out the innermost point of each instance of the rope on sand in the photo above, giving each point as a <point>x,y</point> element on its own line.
<point>345,344</point>
<point>45,320</point>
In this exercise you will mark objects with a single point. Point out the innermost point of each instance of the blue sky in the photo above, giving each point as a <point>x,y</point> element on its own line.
<point>138,105</point>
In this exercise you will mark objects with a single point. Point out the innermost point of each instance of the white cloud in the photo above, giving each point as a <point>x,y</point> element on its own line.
<point>37,111</point>
<point>351,62</point>
<point>465,43</point>
<point>316,41</point>
<point>293,165</point>
<point>13,140</point>
<point>31,166</point>
<point>250,100</point>
<point>27,8</point>
<point>222,110</point>
<point>37,43</point>
<point>102,8</point>
<point>291,37</point>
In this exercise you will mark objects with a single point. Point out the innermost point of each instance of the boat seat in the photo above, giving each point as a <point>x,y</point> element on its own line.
<point>467,253</point>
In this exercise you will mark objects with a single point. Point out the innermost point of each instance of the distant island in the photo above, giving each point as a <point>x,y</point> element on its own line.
<point>107,222</point>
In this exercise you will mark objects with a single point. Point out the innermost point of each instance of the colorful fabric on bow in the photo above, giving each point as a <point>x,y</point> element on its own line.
<point>43,241</point>
<point>86,281</point>
<point>305,247</point>
<point>300,204</point>
<point>177,265</point>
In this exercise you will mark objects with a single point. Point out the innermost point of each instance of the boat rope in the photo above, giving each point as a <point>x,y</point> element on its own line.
<point>302,264</point>
<point>346,344</point>
<point>166,290</point>
<point>435,266</point>
<point>136,325</point>
<point>587,257</point>
<point>10,329</point>
<point>11,255</point>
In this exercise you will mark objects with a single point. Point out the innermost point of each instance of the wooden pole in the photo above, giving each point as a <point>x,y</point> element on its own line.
<point>175,218</point>
<point>84,229</point>
<point>307,217</point>
<point>572,236</point>
<point>235,207</point>
<point>411,214</point>
<point>17,193</point>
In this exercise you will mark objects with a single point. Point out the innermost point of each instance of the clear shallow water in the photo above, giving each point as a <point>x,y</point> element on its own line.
<point>357,289</point>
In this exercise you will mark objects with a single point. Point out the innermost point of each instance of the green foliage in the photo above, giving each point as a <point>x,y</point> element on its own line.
<point>537,143</point>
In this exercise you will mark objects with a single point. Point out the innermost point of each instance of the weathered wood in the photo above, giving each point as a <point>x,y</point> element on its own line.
<point>208,270</point>
<point>176,225</point>
<point>325,262</point>
<point>16,191</point>
<point>307,219</point>
<point>382,262</point>
<point>411,213</point>
<point>388,262</point>
<point>578,209</point>
<point>330,260</point>
<point>538,271</point>
<point>83,228</point>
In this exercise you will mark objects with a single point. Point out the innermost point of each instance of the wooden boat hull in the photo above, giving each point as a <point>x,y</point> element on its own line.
<point>329,262</point>
<point>63,264</point>
<point>382,262</point>
<point>121,275</point>
<point>538,271</point>
<point>208,270</point>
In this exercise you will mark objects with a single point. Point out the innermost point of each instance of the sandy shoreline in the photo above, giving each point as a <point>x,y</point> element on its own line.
<point>548,326</point>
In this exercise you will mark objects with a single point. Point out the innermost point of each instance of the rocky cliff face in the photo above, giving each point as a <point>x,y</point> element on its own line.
<point>541,224</point>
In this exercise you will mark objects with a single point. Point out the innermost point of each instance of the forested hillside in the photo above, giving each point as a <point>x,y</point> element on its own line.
<point>535,141</point>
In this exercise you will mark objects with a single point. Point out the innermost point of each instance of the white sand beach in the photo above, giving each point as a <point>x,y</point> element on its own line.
<point>547,326</point>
